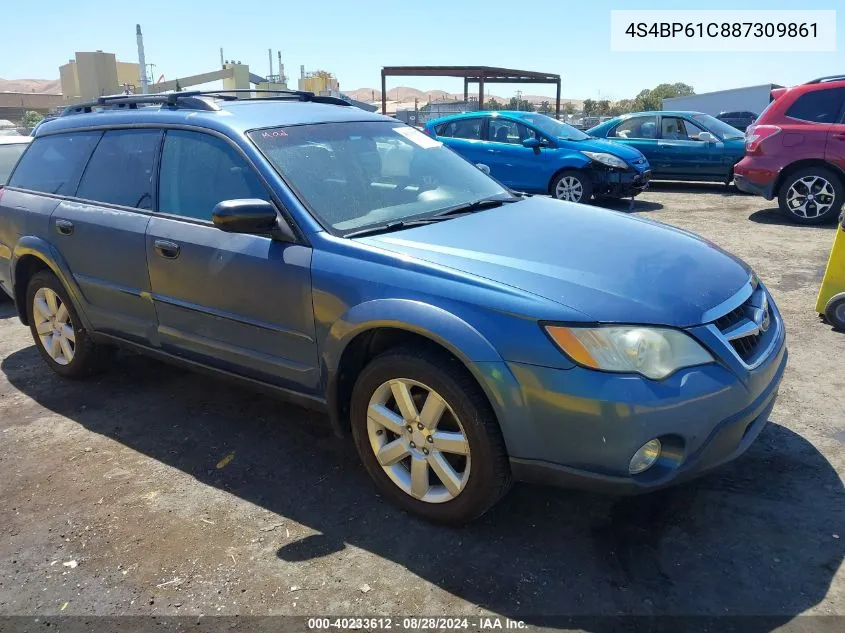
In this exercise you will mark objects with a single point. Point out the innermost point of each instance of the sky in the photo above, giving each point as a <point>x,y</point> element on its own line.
<point>354,39</point>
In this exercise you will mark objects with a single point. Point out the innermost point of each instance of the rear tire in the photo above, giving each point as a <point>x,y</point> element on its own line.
<point>572,185</point>
<point>460,450</point>
<point>57,330</point>
<point>834,312</point>
<point>813,195</point>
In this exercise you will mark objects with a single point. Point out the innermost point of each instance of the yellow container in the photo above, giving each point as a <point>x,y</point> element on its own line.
<point>831,299</point>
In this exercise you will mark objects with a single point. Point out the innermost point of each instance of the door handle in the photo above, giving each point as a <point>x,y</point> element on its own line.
<point>167,249</point>
<point>64,227</point>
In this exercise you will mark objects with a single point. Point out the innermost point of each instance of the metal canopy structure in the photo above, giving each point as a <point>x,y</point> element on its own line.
<point>471,74</point>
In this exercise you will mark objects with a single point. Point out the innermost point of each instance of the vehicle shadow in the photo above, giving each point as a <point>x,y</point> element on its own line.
<point>753,539</point>
<point>7,307</point>
<point>775,217</point>
<point>694,187</point>
<point>624,205</point>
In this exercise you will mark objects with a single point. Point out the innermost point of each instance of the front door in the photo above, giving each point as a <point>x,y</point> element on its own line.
<point>510,162</point>
<point>236,302</point>
<point>684,155</point>
<point>640,132</point>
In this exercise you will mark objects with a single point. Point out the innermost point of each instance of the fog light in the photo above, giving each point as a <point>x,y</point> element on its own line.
<point>645,458</point>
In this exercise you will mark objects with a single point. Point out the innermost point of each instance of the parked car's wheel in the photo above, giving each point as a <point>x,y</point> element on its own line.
<point>428,436</point>
<point>57,330</point>
<point>812,195</point>
<point>834,311</point>
<point>573,186</point>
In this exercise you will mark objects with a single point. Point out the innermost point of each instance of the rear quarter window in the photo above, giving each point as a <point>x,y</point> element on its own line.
<point>53,164</point>
<point>818,106</point>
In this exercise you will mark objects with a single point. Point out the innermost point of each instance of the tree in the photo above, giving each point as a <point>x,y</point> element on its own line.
<point>31,118</point>
<point>589,107</point>
<point>520,104</point>
<point>568,108</point>
<point>653,99</point>
<point>492,104</point>
<point>603,107</point>
<point>545,107</point>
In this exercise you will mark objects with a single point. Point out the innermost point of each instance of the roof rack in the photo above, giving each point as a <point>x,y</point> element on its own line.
<point>195,99</point>
<point>822,80</point>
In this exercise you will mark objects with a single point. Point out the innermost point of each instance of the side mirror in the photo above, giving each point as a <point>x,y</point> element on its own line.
<point>483,168</point>
<point>250,215</point>
<point>706,137</point>
<point>532,143</point>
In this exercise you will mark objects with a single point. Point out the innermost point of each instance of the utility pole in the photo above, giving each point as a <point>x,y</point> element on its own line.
<point>142,64</point>
<point>519,99</point>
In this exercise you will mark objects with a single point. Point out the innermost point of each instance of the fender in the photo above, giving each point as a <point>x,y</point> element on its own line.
<point>43,250</point>
<point>436,324</point>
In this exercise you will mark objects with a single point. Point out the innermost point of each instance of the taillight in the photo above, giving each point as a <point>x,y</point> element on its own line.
<point>428,131</point>
<point>756,134</point>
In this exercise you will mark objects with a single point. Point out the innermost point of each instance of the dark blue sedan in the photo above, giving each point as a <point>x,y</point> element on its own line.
<point>679,145</point>
<point>535,153</point>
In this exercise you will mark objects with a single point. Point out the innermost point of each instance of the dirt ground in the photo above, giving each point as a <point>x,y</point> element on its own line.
<point>153,491</point>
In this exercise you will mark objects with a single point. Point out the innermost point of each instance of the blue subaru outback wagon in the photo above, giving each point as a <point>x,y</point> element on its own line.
<point>460,335</point>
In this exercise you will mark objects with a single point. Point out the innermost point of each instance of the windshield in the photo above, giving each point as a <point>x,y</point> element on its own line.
<point>554,128</point>
<point>718,127</point>
<point>354,175</point>
<point>9,155</point>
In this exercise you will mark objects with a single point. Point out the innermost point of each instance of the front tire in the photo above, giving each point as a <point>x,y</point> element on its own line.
<point>428,437</point>
<point>572,185</point>
<point>813,195</point>
<point>834,312</point>
<point>57,330</point>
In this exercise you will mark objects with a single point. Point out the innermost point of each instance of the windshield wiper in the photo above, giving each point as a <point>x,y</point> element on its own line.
<point>478,205</point>
<point>447,214</point>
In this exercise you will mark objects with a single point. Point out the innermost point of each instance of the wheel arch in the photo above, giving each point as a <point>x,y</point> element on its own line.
<point>574,166</point>
<point>374,327</point>
<point>31,255</point>
<point>803,163</point>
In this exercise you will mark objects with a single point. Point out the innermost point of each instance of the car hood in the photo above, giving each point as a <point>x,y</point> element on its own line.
<point>625,152</point>
<point>606,265</point>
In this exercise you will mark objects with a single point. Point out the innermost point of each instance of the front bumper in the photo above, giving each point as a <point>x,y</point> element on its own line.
<point>587,425</point>
<point>620,184</point>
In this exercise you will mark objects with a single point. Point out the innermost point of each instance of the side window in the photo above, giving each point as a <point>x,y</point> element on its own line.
<point>121,169</point>
<point>506,131</point>
<point>52,164</point>
<point>469,129</point>
<point>678,129</point>
<point>198,171</point>
<point>637,127</point>
<point>819,106</point>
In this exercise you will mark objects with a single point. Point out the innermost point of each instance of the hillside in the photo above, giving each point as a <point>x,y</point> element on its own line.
<point>50,86</point>
<point>407,94</point>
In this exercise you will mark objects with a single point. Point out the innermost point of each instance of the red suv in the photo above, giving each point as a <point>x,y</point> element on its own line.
<point>795,150</point>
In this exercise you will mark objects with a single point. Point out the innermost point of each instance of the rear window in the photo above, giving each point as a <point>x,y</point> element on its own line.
<point>121,169</point>
<point>9,155</point>
<point>818,106</point>
<point>54,163</point>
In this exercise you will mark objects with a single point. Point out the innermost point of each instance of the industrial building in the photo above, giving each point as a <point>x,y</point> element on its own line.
<point>750,99</point>
<point>90,75</point>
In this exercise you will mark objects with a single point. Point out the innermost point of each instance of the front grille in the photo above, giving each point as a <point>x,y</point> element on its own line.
<point>742,330</point>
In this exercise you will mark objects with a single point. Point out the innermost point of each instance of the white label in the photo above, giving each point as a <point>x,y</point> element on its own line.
<point>723,31</point>
<point>417,137</point>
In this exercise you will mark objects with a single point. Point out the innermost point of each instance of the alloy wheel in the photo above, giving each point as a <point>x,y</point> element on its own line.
<point>570,189</point>
<point>418,440</point>
<point>54,326</point>
<point>810,197</point>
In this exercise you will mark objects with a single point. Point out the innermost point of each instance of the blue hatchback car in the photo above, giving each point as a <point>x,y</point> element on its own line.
<point>535,153</point>
<point>679,145</point>
<point>458,336</point>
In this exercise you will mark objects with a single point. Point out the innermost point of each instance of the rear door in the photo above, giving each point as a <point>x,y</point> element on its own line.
<point>99,231</point>
<point>641,132</point>
<point>510,162</point>
<point>835,149</point>
<point>237,302</point>
<point>465,136</point>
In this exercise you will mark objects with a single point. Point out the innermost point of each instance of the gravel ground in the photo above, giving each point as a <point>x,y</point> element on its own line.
<point>153,491</point>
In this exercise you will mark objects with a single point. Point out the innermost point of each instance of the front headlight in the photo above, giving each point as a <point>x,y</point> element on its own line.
<point>653,352</point>
<point>606,159</point>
